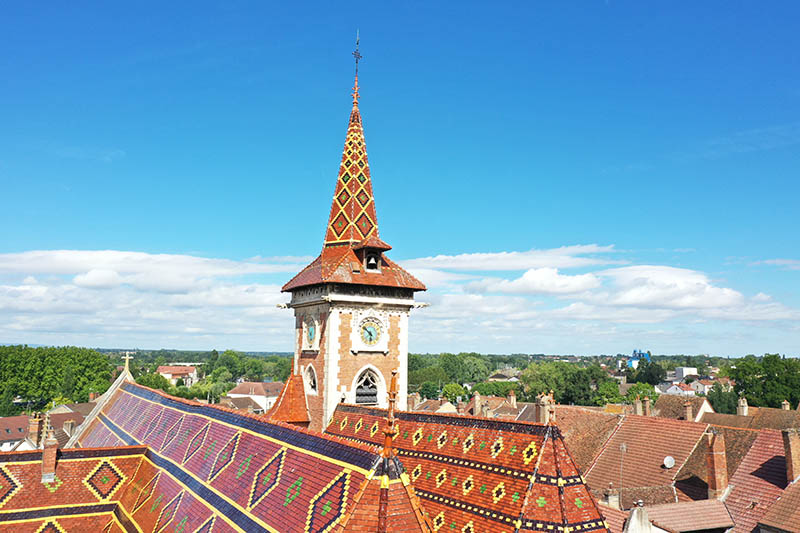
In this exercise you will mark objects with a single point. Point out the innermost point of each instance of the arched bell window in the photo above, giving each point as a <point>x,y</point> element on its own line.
<point>311,379</point>
<point>373,262</point>
<point>367,388</point>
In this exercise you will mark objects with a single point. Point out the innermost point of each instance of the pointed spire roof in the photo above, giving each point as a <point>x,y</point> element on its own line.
<point>353,223</point>
<point>353,217</point>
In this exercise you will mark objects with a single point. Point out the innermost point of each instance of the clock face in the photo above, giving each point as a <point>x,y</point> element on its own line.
<point>370,332</point>
<point>311,332</point>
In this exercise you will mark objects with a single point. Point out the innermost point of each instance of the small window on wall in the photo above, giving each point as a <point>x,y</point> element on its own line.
<point>367,388</point>
<point>311,379</point>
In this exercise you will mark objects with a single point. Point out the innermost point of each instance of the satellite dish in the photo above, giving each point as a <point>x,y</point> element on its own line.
<point>669,461</point>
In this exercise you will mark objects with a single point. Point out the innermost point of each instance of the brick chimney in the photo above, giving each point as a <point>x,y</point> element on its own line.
<point>785,405</point>
<point>637,407</point>
<point>35,424</point>
<point>741,406</point>
<point>92,396</point>
<point>687,410</point>
<point>716,465</point>
<point>49,458</point>
<point>461,408</point>
<point>791,449</point>
<point>646,406</point>
<point>512,398</point>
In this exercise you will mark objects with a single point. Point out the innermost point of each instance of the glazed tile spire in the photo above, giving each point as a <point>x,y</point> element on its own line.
<point>353,217</point>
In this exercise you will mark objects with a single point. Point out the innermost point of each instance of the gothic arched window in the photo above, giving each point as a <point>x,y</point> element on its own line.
<point>367,388</point>
<point>311,378</point>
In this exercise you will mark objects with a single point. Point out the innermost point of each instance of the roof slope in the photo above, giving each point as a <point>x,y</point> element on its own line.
<point>785,513</point>
<point>477,474</point>
<point>691,516</point>
<point>671,405</point>
<point>585,431</point>
<point>723,419</point>
<point>242,472</point>
<point>291,406</point>
<point>646,440</point>
<point>258,388</point>
<point>758,482</point>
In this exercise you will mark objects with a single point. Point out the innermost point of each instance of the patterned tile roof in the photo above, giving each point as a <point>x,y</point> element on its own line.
<point>353,225</point>
<point>646,441</point>
<point>209,464</point>
<point>474,474</point>
<point>758,482</point>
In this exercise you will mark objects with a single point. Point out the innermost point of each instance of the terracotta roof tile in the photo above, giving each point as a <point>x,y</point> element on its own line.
<point>723,419</point>
<point>758,482</point>
<point>291,404</point>
<point>671,405</point>
<point>785,513</point>
<point>585,432</point>
<point>13,427</point>
<point>691,516</point>
<point>477,471</point>
<point>177,370</point>
<point>258,388</point>
<point>771,418</point>
<point>647,441</point>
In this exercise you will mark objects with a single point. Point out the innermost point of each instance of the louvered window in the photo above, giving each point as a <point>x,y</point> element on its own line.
<point>367,388</point>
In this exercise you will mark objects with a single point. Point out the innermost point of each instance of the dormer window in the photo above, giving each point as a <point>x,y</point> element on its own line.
<point>372,262</point>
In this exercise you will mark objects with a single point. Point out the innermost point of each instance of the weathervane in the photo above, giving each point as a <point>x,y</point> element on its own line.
<point>358,56</point>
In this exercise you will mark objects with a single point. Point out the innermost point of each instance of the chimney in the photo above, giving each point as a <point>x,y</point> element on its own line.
<point>476,409</point>
<point>638,521</point>
<point>542,409</point>
<point>69,427</point>
<point>646,406</point>
<point>512,398</point>
<point>687,410</point>
<point>791,449</point>
<point>413,401</point>
<point>35,428</point>
<point>785,405</point>
<point>92,396</point>
<point>637,407</point>
<point>741,407</point>
<point>49,458</point>
<point>461,408</point>
<point>717,466</point>
<point>611,496</point>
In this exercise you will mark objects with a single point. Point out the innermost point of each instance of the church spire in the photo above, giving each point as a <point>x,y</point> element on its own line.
<point>353,218</point>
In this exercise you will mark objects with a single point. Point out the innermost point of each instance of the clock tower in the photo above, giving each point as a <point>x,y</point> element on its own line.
<point>351,304</point>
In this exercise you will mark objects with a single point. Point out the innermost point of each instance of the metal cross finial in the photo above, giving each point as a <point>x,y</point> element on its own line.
<point>356,53</point>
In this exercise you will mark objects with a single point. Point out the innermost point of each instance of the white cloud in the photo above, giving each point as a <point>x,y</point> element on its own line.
<point>537,281</point>
<point>98,278</point>
<point>563,257</point>
<point>788,264</point>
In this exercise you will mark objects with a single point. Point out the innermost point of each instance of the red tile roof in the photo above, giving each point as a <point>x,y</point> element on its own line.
<point>478,471</point>
<point>647,441</point>
<point>671,405</point>
<point>758,482</point>
<point>258,388</point>
<point>290,407</point>
<point>176,370</point>
<point>585,431</point>
<point>785,513</point>
<point>13,428</point>
<point>691,516</point>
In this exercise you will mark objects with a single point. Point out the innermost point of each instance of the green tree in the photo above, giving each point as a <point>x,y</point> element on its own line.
<point>452,391</point>
<point>640,390</point>
<point>723,401</point>
<point>429,390</point>
<point>608,392</point>
<point>154,380</point>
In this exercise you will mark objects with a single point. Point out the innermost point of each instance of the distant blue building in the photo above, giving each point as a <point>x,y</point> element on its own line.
<point>637,356</point>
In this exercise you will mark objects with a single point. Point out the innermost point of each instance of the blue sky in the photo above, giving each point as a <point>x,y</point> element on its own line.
<point>657,147</point>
